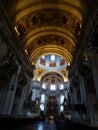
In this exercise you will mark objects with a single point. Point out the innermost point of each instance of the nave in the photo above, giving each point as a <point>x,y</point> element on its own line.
<point>48,63</point>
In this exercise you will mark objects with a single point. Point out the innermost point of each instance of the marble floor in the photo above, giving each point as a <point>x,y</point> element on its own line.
<point>43,125</point>
<point>37,124</point>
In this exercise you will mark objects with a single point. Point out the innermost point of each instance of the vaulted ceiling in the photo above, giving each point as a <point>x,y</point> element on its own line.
<point>47,26</point>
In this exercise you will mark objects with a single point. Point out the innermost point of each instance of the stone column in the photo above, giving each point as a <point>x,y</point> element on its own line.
<point>5,107</point>
<point>11,93</point>
<point>24,84</point>
<point>20,106</point>
<point>3,97</point>
<point>94,65</point>
<point>88,100</point>
<point>74,114</point>
<point>91,109</point>
<point>36,87</point>
<point>14,90</point>
<point>58,100</point>
<point>25,91</point>
<point>35,74</point>
<point>83,90</point>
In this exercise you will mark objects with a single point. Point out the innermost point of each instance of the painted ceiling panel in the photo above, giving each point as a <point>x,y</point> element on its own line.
<point>47,26</point>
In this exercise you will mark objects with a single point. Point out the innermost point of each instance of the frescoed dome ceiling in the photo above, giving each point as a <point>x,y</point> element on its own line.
<point>47,26</point>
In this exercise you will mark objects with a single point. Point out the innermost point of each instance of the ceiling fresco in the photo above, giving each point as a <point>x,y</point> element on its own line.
<point>47,26</point>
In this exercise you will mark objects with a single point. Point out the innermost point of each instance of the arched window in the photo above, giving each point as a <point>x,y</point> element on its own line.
<point>43,98</point>
<point>44,86</point>
<point>61,99</point>
<point>52,57</point>
<point>42,107</point>
<point>53,87</point>
<point>61,108</point>
<point>61,87</point>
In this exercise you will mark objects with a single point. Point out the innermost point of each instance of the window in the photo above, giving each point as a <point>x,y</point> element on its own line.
<point>61,108</point>
<point>43,98</point>
<point>44,86</point>
<point>42,107</point>
<point>43,57</point>
<point>61,99</point>
<point>52,57</point>
<point>52,87</point>
<point>61,87</point>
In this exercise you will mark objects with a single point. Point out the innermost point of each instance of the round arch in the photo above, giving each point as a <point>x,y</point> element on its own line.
<point>51,49</point>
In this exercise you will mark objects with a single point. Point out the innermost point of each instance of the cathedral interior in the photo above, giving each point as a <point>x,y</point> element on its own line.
<point>49,60</point>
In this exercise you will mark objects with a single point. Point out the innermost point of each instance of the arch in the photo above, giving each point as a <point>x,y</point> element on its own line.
<point>52,73</point>
<point>49,30</point>
<point>18,13</point>
<point>51,49</point>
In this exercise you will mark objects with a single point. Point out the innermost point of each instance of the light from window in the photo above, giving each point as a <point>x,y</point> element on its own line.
<point>52,87</point>
<point>44,86</point>
<point>61,108</point>
<point>52,57</point>
<point>43,57</point>
<point>61,86</point>
<point>42,107</point>
<point>61,99</point>
<point>28,113</point>
<point>43,98</point>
